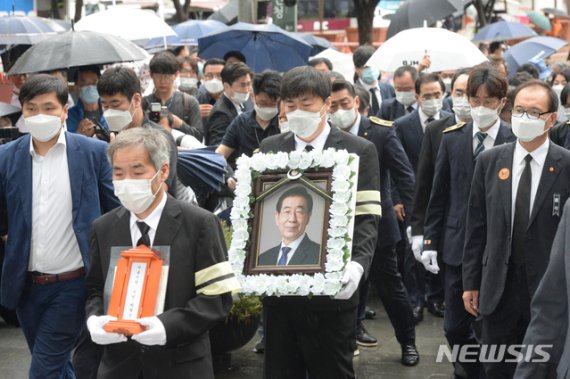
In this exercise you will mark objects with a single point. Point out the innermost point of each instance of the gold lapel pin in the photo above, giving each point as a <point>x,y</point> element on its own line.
<point>551,169</point>
<point>504,174</point>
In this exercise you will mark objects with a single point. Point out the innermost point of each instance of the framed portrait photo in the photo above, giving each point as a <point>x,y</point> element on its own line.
<point>292,219</point>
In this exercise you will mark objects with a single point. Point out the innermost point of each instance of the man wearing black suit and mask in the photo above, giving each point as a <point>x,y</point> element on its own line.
<point>405,100</point>
<point>516,201</point>
<point>293,213</point>
<point>368,77</point>
<point>393,163</point>
<point>175,342</point>
<point>444,227</point>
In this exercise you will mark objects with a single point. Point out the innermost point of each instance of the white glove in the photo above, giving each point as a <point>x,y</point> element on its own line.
<point>429,259</point>
<point>409,233</point>
<point>155,334</point>
<point>99,335</point>
<point>350,280</point>
<point>417,244</point>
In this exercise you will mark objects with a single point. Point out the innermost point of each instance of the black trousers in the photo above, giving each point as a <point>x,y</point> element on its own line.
<point>86,356</point>
<point>388,282</point>
<point>300,339</point>
<point>508,323</point>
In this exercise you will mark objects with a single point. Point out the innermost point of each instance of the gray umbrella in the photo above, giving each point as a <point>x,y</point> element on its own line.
<point>77,48</point>
<point>227,14</point>
<point>413,14</point>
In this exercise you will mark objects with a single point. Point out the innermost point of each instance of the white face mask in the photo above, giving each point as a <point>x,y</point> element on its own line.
<point>265,113</point>
<point>214,86</point>
<point>43,127</point>
<point>304,123</point>
<point>240,97</point>
<point>188,83</point>
<point>343,118</point>
<point>558,89</point>
<point>526,129</point>
<point>406,98</point>
<point>136,194</point>
<point>432,107</point>
<point>484,117</point>
<point>118,119</point>
<point>567,112</point>
<point>461,107</point>
<point>284,126</point>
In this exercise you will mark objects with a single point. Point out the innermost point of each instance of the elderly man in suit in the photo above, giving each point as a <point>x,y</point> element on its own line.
<point>54,184</point>
<point>175,343</point>
<point>293,213</point>
<point>515,206</point>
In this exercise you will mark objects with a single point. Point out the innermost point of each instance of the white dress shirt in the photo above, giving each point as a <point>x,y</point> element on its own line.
<point>489,140</point>
<point>54,247</point>
<point>424,117</point>
<point>376,89</point>
<point>151,220</point>
<point>318,143</point>
<point>536,166</point>
<point>293,245</point>
<point>237,106</point>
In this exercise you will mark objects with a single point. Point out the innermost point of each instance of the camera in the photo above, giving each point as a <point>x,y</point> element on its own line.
<point>101,132</point>
<point>8,134</point>
<point>154,112</point>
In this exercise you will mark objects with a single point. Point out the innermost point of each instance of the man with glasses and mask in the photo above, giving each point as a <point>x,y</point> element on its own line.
<point>54,185</point>
<point>212,87</point>
<point>444,227</point>
<point>517,197</point>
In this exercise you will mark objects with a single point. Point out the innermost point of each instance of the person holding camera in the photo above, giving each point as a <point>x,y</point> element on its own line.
<point>184,110</point>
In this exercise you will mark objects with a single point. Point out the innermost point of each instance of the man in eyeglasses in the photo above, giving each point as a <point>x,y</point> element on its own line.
<point>517,196</point>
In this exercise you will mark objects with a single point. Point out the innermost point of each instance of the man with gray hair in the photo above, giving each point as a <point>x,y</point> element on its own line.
<point>194,303</point>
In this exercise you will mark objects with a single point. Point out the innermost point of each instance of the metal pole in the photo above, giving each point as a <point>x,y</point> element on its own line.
<point>321,14</point>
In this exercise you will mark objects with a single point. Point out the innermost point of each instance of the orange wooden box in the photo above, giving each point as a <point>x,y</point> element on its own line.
<point>142,303</point>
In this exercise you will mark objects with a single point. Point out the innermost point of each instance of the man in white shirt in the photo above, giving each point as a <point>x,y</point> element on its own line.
<point>516,201</point>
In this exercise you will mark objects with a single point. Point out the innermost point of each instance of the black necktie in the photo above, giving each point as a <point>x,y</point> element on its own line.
<point>145,239</point>
<point>522,214</point>
<point>409,109</point>
<point>430,119</point>
<point>309,148</point>
<point>375,108</point>
<point>480,147</point>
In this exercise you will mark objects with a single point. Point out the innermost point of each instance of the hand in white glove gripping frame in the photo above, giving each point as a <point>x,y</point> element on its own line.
<point>155,334</point>
<point>99,335</point>
<point>417,244</point>
<point>350,280</point>
<point>429,259</point>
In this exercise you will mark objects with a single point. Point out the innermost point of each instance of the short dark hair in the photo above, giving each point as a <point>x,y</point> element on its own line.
<point>400,71</point>
<point>235,54</point>
<point>317,61</point>
<point>564,94</point>
<point>530,68</point>
<point>122,80</point>
<point>232,72</point>
<point>213,62</point>
<point>42,84</point>
<point>305,80</point>
<point>458,73</point>
<point>494,46</point>
<point>296,191</point>
<point>339,85</point>
<point>163,63</point>
<point>499,61</point>
<point>268,82</point>
<point>191,61</point>
<point>426,78</point>
<point>487,75</point>
<point>552,96</point>
<point>564,72</point>
<point>362,54</point>
<point>520,78</point>
<point>335,75</point>
<point>91,68</point>
<point>364,97</point>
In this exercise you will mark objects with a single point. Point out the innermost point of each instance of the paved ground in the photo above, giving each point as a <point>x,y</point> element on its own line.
<point>382,362</point>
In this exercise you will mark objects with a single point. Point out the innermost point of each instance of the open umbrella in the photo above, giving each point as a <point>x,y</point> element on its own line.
<point>342,63</point>
<point>128,23</point>
<point>448,50</point>
<point>414,13</point>
<point>202,169</point>
<point>554,11</point>
<point>74,48</point>
<point>187,33</point>
<point>20,30</point>
<point>532,49</point>
<point>502,31</point>
<point>264,46</point>
<point>318,44</point>
<point>539,20</point>
<point>227,14</point>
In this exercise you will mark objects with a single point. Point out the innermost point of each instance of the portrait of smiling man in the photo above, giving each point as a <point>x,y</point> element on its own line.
<point>293,213</point>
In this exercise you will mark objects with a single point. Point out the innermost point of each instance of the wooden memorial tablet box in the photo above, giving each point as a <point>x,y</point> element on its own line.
<point>135,290</point>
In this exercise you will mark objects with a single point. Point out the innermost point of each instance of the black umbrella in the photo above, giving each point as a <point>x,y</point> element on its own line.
<point>77,48</point>
<point>202,169</point>
<point>7,110</point>
<point>413,14</point>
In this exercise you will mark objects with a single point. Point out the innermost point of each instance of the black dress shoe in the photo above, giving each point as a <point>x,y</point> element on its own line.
<point>418,314</point>
<point>436,309</point>
<point>363,338</point>
<point>259,347</point>
<point>369,314</point>
<point>410,355</point>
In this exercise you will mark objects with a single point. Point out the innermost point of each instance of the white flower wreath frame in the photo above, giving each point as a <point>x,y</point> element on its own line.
<point>340,229</point>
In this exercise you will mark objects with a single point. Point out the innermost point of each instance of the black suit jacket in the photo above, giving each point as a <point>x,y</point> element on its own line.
<point>489,221</point>
<point>425,171</point>
<point>191,309</point>
<point>447,207</point>
<point>307,253</point>
<point>559,134</point>
<point>367,210</point>
<point>221,116</point>
<point>391,109</point>
<point>393,164</point>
